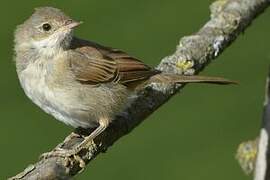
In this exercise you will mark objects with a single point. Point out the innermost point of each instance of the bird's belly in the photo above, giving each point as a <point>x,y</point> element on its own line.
<point>52,102</point>
<point>76,106</point>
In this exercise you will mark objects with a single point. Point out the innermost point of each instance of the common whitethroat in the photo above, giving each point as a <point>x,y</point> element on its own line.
<point>80,82</point>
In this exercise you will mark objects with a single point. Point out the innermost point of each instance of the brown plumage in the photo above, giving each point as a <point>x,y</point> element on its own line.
<point>99,64</point>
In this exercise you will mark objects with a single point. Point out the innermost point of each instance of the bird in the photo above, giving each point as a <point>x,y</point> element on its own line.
<point>80,82</point>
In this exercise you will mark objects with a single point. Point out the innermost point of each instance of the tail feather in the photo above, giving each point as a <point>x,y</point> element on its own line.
<point>174,78</point>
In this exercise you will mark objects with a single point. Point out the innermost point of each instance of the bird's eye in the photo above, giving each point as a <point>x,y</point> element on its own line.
<point>46,27</point>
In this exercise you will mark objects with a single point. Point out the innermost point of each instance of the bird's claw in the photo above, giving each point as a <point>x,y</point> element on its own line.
<point>69,154</point>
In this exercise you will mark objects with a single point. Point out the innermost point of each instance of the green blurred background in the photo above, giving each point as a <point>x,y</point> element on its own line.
<point>193,136</point>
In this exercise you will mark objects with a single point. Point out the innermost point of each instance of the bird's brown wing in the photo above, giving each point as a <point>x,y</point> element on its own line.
<point>95,64</point>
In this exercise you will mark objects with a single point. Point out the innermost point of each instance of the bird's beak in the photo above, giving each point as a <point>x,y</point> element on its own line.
<point>70,24</point>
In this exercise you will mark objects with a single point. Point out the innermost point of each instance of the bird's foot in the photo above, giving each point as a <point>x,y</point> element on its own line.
<point>58,152</point>
<point>73,153</point>
<point>70,155</point>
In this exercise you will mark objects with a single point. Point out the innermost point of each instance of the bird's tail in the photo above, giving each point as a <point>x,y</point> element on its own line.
<point>174,78</point>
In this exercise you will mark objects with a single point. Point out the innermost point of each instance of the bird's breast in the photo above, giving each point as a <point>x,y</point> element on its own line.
<point>76,104</point>
<point>38,82</point>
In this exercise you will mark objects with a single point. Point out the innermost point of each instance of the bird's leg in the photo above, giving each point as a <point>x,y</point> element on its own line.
<point>103,124</point>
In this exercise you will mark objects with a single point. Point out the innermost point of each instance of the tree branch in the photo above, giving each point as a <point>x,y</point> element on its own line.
<point>228,19</point>
<point>254,155</point>
<point>262,171</point>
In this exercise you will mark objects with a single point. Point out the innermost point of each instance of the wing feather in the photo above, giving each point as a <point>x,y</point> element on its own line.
<point>95,64</point>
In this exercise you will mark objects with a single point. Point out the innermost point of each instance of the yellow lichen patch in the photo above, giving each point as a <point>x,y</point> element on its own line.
<point>184,64</point>
<point>218,5</point>
<point>246,155</point>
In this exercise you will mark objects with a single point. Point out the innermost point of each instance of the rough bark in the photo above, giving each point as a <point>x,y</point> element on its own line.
<point>262,170</point>
<point>229,18</point>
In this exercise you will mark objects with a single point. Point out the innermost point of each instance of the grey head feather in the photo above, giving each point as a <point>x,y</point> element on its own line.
<point>31,40</point>
<point>31,27</point>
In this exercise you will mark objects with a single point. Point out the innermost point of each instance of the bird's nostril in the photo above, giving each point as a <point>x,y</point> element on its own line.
<point>69,21</point>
